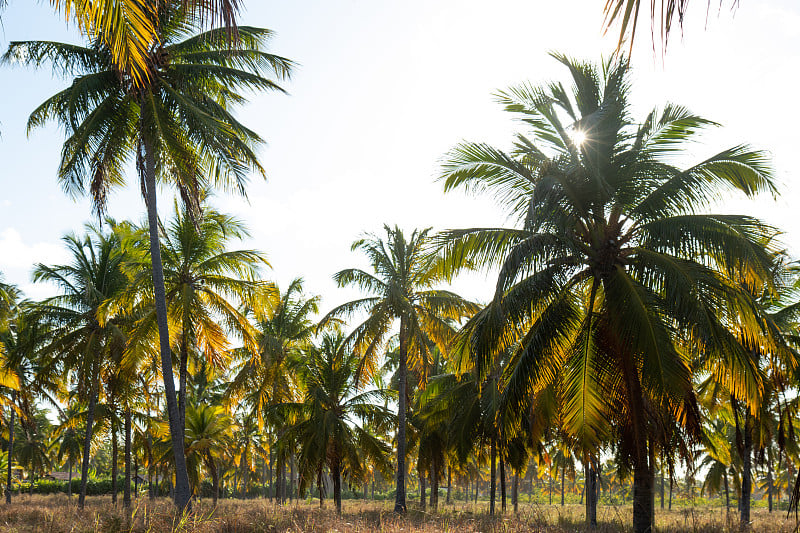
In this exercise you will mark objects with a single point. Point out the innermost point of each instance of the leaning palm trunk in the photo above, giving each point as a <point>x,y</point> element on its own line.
<point>400,495</point>
<point>10,454</point>
<point>87,443</point>
<point>182,493</point>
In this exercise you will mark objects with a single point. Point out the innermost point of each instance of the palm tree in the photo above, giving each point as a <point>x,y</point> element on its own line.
<point>208,433</point>
<point>401,290</point>
<point>178,126</point>
<point>206,284</point>
<point>69,438</point>
<point>616,274</point>
<point>82,340</point>
<point>284,327</point>
<point>328,423</point>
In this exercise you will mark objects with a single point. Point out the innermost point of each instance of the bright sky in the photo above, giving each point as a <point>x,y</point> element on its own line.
<point>382,91</point>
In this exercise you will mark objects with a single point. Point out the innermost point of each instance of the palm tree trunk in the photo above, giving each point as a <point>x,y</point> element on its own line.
<point>292,485</point>
<point>87,441</point>
<point>422,486</point>
<point>590,490</point>
<point>493,481</point>
<point>10,455</point>
<point>400,494</point>
<point>69,483</point>
<point>670,491</point>
<point>515,493</point>
<point>662,480</point>
<point>642,480</point>
<point>182,493</point>
<point>449,485</point>
<point>126,494</point>
<point>114,461</point>
<point>212,465</point>
<point>747,479</point>
<point>435,485</point>
<point>769,481</point>
<point>320,488</point>
<point>563,470</point>
<point>503,485</point>
<point>337,486</point>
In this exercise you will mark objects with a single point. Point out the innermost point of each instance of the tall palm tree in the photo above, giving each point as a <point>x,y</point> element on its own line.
<point>616,274</point>
<point>401,290</point>
<point>178,127</point>
<point>82,341</point>
<point>328,422</point>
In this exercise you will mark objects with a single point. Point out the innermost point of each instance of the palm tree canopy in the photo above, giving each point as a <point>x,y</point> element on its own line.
<point>184,114</point>
<point>617,257</point>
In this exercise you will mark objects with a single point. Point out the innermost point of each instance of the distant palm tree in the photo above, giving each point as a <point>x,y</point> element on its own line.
<point>617,271</point>
<point>401,290</point>
<point>178,127</point>
<point>328,422</point>
<point>81,340</point>
<point>208,433</point>
<point>284,323</point>
<point>70,441</point>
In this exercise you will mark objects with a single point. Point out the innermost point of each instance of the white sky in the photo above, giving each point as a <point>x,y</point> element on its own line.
<point>382,91</point>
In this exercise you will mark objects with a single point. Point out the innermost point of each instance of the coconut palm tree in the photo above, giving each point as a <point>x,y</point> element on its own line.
<point>178,127</point>
<point>70,441</point>
<point>208,433</point>
<point>82,341</point>
<point>401,290</point>
<point>329,422</point>
<point>617,273</point>
<point>206,285</point>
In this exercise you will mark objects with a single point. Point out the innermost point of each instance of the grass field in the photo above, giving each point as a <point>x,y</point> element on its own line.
<point>56,514</point>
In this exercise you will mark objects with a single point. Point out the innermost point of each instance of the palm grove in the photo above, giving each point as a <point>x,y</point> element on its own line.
<point>632,335</point>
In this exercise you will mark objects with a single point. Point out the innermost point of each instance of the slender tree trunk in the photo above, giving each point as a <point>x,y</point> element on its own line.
<point>126,494</point>
<point>135,477</point>
<point>670,491</point>
<point>87,442</point>
<point>515,493</point>
<point>400,494</point>
<point>662,481</point>
<point>747,479</point>
<point>550,487</point>
<point>590,488</point>
<point>503,485</point>
<point>769,481</point>
<point>449,485</point>
<point>493,481</point>
<point>69,485</point>
<point>182,492</point>
<point>10,456</point>
<point>291,478</point>
<point>652,461</point>
<point>271,486</point>
<point>337,486</point>
<point>563,470</point>
<point>114,462</point>
<point>320,487</point>
<point>422,487</point>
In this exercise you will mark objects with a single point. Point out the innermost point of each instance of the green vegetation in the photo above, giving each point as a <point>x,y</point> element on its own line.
<point>638,347</point>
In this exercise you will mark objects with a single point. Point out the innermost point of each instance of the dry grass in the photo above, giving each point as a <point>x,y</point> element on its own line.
<point>55,514</point>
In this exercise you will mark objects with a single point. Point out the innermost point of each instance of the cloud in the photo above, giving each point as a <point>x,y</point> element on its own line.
<point>17,259</point>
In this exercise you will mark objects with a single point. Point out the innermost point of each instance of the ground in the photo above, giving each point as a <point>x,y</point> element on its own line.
<point>55,514</point>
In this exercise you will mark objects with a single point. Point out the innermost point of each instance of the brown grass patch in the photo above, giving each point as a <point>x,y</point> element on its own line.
<point>56,514</point>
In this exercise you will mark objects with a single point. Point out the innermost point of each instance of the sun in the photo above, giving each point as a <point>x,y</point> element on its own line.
<point>578,137</point>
